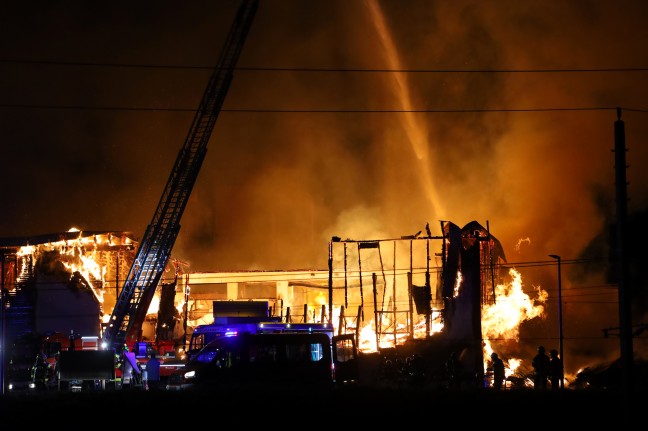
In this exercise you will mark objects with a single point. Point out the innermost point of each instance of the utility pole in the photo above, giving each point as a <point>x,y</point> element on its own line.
<point>625,297</point>
<point>560,320</point>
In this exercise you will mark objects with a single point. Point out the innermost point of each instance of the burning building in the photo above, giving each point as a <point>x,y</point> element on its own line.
<point>433,294</point>
<point>62,282</point>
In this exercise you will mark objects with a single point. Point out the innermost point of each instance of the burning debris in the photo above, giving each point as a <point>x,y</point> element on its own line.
<point>471,308</point>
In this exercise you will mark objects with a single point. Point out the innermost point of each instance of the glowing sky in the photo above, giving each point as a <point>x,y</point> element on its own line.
<point>528,152</point>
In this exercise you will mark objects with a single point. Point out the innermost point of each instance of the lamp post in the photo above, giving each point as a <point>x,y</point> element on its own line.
<point>560,324</point>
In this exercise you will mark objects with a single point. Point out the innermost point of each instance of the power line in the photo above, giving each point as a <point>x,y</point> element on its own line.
<point>320,70</point>
<point>316,111</point>
<point>325,69</point>
<point>304,69</point>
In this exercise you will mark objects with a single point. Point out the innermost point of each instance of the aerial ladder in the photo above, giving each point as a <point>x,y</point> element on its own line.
<point>155,247</point>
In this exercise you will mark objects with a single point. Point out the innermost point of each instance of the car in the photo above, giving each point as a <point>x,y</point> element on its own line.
<point>260,360</point>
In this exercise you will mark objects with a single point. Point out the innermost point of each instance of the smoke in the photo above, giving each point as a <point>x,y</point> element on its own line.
<point>275,186</point>
<point>282,179</point>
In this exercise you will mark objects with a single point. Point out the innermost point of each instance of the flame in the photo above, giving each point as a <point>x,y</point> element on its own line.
<point>457,285</point>
<point>367,338</point>
<point>521,241</point>
<point>154,307</point>
<point>26,250</point>
<point>502,318</point>
<point>394,333</point>
<point>80,257</point>
<point>321,299</point>
<point>180,307</point>
<point>511,307</point>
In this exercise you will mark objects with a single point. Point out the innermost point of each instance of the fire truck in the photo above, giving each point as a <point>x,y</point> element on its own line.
<point>149,264</point>
<point>34,358</point>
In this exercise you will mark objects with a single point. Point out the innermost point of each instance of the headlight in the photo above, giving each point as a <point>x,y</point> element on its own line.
<point>189,374</point>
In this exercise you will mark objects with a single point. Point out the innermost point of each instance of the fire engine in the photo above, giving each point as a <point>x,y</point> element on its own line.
<point>40,355</point>
<point>129,312</point>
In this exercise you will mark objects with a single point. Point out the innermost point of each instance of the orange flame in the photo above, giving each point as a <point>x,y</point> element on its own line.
<point>502,319</point>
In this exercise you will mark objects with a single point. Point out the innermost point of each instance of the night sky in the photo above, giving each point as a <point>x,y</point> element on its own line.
<point>96,101</point>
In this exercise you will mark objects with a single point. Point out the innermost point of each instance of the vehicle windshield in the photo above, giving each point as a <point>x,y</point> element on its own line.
<point>209,351</point>
<point>207,354</point>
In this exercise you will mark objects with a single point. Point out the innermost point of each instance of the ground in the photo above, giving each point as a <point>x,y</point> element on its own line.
<point>361,406</point>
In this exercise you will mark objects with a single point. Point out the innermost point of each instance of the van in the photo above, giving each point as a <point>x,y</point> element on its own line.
<point>228,326</point>
<point>268,360</point>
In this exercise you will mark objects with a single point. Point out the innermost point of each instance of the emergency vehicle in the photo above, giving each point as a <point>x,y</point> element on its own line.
<point>272,359</point>
<point>44,369</point>
<point>241,316</point>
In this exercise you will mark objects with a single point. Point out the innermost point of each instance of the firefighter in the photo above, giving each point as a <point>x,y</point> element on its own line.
<point>153,372</point>
<point>131,373</point>
<point>71,340</point>
<point>53,371</point>
<point>498,371</point>
<point>541,367</point>
<point>454,370</point>
<point>119,368</point>
<point>555,369</point>
<point>39,371</point>
<point>122,371</point>
<point>127,369</point>
<point>415,369</point>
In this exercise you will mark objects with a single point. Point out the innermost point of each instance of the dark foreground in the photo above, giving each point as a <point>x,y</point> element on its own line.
<point>335,408</point>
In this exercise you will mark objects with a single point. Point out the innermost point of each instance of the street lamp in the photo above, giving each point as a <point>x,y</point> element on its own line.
<point>560,324</point>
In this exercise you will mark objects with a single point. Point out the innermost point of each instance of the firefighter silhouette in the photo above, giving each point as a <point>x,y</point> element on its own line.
<point>40,371</point>
<point>541,367</point>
